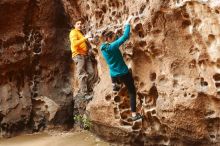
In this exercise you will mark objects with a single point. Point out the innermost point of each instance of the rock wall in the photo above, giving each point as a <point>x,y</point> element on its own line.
<point>174,53</point>
<point>34,66</point>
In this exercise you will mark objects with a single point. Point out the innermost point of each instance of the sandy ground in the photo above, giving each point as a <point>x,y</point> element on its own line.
<point>82,138</point>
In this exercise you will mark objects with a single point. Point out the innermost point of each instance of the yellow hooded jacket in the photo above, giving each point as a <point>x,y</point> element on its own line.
<point>78,43</point>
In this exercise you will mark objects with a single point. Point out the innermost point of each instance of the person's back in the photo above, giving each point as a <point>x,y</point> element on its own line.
<point>118,69</point>
<point>113,56</point>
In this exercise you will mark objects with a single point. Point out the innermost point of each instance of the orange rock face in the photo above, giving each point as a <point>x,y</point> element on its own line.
<point>173,51</point>
<point>174,54</point>
<point>34,64</point>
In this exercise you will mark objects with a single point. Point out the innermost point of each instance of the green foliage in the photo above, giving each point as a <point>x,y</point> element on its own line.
<point>84,122</point>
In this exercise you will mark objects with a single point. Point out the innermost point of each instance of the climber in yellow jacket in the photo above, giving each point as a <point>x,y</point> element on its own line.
<point>84,68</point>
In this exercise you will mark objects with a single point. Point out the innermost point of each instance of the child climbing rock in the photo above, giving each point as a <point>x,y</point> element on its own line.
<point>84,68</point>
<point>118,69</point>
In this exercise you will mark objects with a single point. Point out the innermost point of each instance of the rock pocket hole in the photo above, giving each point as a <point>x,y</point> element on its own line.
<point>87,7</point>
<point>125,115</point>
<point>153,76</point>
<point>193,95</point>
<point>37,50</point>
<point>142,84</point>
<point>35,94</point>
<point>116,4</point>
<point>139,29</point>
<point>192,64</point>
<point>175,83</point>
<point>114,13</point>
<point>108,97</point>
<point>153,112</point>
<point>212,136</point>
<point>153,95</point>
<point>142,43</point>
<point>117,99</point>
<point>216,77</point>
<point>124,105</point>
<point>211,37</point>
<point>136,78</point>
<point>118,15</point>
<point>217,85</point>
<point>186,23</point>
<point>136,19</point>
<point>142,9</point>
<point>203,82</point>
<point>185,15</point>
<point>104,9</point>
<point>141,34</point>
<point>98,13</point>
<point>211,112</point>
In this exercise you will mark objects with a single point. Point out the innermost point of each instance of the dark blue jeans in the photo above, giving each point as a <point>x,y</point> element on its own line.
<point>128,80</point>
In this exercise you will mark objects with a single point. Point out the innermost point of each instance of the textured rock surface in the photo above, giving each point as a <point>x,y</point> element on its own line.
<point>33,62</point>
<point>174,52</point>
<point>43,111</point>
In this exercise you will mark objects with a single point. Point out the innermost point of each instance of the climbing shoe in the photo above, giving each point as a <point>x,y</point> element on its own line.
<point>137,117</point>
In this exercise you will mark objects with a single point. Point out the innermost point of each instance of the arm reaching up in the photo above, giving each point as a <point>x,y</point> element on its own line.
<point>123,38</point>
<point>128,20</point>
<point>125,35</point>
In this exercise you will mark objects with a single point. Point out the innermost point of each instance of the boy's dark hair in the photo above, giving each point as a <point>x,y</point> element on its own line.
<point>76,20</point>
<point>107,34</point>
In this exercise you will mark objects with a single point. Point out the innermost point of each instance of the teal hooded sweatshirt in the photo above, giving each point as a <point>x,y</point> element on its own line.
<point>113,56</point>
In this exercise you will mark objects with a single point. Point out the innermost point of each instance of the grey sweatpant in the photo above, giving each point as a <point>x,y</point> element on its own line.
<point>84,73</point>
